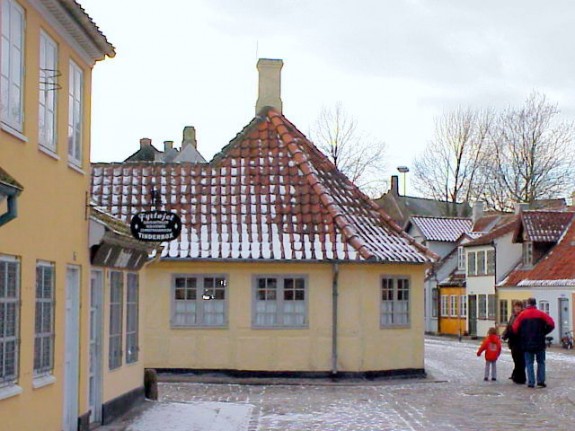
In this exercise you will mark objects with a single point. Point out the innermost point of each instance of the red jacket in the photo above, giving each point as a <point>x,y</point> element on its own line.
<point>532,325</point>
<point>492,347</point>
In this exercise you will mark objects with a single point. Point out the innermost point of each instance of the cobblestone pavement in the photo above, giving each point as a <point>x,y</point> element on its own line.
<point>454,397</point>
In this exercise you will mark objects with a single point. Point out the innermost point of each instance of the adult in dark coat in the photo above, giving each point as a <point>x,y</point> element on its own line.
<point>514,343</point>
<point>533,325</point>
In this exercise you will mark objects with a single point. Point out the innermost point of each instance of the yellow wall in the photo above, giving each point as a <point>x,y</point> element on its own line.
<point>51,226</point>
<point>363,346</point>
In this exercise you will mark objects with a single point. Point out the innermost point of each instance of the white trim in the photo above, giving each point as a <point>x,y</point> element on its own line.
<point>48,85</point>
<point>10,391</point>
<point>48,152</point>
<point>8,129</point>
<point>76,168</point>
<point>41,381</point>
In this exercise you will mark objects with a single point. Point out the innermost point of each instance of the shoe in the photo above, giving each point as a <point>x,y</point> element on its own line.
<point>530,386</point>
<point>543,385</point>
<point>493,379</point>
<point>485,379</point>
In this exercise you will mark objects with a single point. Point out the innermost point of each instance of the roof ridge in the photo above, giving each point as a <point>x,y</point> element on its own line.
<point>442,217</point>
<point>303,163</point>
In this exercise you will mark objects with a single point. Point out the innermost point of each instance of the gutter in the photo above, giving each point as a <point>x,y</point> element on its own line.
<point>334,293</point>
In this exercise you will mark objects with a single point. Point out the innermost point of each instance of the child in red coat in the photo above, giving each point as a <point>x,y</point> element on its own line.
<point>492,347</point>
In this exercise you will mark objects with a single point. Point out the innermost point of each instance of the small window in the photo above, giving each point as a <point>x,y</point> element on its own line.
<point>490,262</point>
<point>444,305</point>
<point>461,258</point>
<point>463,305</point>
<point>491,307</point>
<point>482,307</point>
<point>544,306</point>
<point>394,302</point>
<point>528,254</point>
<point>132,318</point>
<point>48,87</point>
<point>199,300</point>
<point>44,321</point>
<point>471,269</point>
<point>280,301</point>
<point>434,302</point>
<point>9,319</point>
<point>75,110</point>
<point>12,62</point>
<point>453,300</point>
<point>481,262</point>
<point>503,311</point>
<point>116,317</point>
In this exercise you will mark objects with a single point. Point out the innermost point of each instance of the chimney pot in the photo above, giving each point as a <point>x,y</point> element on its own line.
<point>477,211</point>
<point>189,137</point>
<point>269,84</point>
<point>395,185</point>
<point>520,207</point>
<point>145,142</point>
<point>168,145</point>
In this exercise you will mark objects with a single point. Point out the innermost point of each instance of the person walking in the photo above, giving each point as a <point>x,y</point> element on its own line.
<point>514,343</point>
<point>533,325</point>
<point>491,345</point>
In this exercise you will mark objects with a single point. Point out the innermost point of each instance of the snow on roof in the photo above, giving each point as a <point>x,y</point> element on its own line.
<point>544,226</point>
<point>447,229</point>
<point>269,195</point>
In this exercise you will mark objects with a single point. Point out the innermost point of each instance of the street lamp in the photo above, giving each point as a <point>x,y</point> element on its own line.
<point>403,170</point>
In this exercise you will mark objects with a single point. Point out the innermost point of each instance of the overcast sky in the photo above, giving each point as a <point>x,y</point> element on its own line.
<point>394,65</point>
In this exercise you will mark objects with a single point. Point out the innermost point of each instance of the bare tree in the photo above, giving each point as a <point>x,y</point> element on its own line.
<point>358,156</point>
<point>531,155</point>
<point>450,167</point>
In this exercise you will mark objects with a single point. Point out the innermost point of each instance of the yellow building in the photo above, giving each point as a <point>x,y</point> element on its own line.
<point>46,57</point>
<point>282,265</point>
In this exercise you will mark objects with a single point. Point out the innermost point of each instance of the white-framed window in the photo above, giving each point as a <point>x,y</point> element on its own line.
<point>482,306</point>
<point>528,254</point>
<point>444,305</point>
<point>132,318</point>
<point>44,320</point>
<point>280,301</point>
<point>481,262</point>
<point>12,65</point>
<point>463,305</point>
<point>544,306</point>
<point>453,300</point>
<point>48,87</point>
<point>9,319</point>
<point>199,300</point>
<point>434,302</point>
<point>471,264</point>
<point>503,311</point>
<point>394,301</point>
<point>116,317</point>
<point>490,262</point>
<point>491,307</point>
<point>75,108</point>
<point>461,258</point>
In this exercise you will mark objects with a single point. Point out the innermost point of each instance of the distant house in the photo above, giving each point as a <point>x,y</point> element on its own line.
<point>546,271</point>
<point>283,265</point>
<point>401,208</point>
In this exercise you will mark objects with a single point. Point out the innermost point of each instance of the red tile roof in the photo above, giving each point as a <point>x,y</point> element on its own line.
<point>544,226</point>
<point>556,268</point>
<point>270,194</point>
<point>511,224</point>
<point>447,229</point>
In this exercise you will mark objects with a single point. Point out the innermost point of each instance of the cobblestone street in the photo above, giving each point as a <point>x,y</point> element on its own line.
<point>454,397</point>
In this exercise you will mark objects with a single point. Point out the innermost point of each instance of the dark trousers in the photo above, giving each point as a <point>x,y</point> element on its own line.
<point>518,374</point>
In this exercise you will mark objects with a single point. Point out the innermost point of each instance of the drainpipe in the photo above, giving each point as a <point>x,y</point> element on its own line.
<point>334,293</point>
<point>12,212</point>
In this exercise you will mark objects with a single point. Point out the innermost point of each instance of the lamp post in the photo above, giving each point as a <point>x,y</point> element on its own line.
<point>403,170</point>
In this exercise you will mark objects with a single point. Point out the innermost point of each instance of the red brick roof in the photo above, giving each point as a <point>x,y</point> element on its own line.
<point>447,229</point>
<point>544,226</point>
<point>556,268</point>
<point>270,194</point>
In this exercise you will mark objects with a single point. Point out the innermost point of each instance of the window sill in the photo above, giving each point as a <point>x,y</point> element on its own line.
<point>49,152</point>
<point>13,132</point>
<point>280,328</point>
<point>41,381</point>
<point>396,327</point>
<point>76,168</point>
<point>10,391</point>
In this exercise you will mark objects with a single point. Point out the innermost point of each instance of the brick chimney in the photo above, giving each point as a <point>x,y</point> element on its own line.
<point>145,142</point>
<point>168,145</point>
<point>189,137</point>
<point>394,185</point>
<point>269,85</point>
<point>477,211</point>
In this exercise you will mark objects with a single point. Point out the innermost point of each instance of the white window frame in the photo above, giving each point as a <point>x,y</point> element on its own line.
<point>544,306</point>
<point>491,307</point>
<point>116,319</point>
<point>9,278</point>
<point>461,258</point>
<point>48,86</point>
<point>434,302</point>
<point>503,311</point>
<point>482,307</point>
<point>278,304</point>
<point>12,65</point>
<point>132,317</point>
<point>44,319</point>
<point>481,267</point>
<point>528,254</point>
<point>395,297</point>
<point>199,300</point>
<point>444,306</point>
<point>453,300</point>
<point>490,262</point>
<point>463,305</point>
<point>75,114</point>
<point>471,263</point>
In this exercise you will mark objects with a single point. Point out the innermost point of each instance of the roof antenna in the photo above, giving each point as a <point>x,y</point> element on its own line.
<point>257,49</point>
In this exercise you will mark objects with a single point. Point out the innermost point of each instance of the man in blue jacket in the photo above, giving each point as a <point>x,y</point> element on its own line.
<point>533,325</point>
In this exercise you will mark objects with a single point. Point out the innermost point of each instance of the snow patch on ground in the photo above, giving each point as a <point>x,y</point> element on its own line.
<point>205,416</point>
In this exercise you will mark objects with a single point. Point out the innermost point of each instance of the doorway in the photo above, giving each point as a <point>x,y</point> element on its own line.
<point>71,349</point>
<point>472,315</point>
<point>563,317</point>
<point>96,332</point>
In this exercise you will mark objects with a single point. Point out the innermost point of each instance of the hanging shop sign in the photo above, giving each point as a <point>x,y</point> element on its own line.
<point>156,226</point>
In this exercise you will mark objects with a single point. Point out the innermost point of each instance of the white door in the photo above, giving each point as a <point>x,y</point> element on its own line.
<point>95,378</point>
<point>71,349</point>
